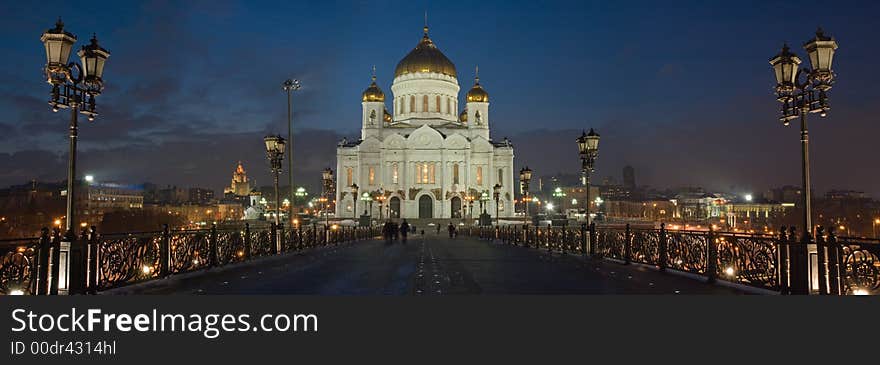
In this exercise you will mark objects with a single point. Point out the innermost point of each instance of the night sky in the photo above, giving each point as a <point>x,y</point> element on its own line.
<point>682,91</point>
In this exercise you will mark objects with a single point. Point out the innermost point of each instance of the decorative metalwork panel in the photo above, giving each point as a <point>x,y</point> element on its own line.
<point>128,259</point>
<point>646,246</point>
<point>612,243</point>
<point>18,265</point>
<point>860,267</point>
<point>261,243</point>
<point>749,260</point>
<point>230,247</point>
<point>189,251</point>
<point>687,251</point>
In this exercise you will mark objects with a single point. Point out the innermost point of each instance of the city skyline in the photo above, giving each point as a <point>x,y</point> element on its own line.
<point>660,108</point>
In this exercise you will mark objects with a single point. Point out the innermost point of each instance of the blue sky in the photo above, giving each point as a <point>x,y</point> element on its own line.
<point>680,90</point>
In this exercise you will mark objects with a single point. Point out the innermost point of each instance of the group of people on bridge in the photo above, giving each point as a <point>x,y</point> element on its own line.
<point>392,231</point>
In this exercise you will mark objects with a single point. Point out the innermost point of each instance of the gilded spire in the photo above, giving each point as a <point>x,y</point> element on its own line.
<point>477,93</point>
<point>426,23</point>
<point>373,92</point>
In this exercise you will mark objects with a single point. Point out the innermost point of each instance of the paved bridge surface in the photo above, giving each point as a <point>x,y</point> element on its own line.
<point>429,264</point>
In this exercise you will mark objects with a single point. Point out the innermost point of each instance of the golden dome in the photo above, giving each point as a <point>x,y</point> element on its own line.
<point>387,116</point>
<point>463,116</point>
<point>476,93</point>
<point>426,57</point>
<point>373,93</point>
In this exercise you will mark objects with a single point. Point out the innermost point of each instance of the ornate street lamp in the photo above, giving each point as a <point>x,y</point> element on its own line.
<point>496,193</point>
<point>380,197</point>
<point>588,149</point>
<point>367,199</point>
<point>354,192</point>
<point>275,153</point>
<point>525,176</point>
<point>798,99</point>
<point>74,86</point>
<point>288,86</point>
<point>327,178</point>
<point>470,205</point>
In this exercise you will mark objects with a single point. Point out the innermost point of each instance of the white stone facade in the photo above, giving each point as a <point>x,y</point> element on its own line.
<point>424,156</point>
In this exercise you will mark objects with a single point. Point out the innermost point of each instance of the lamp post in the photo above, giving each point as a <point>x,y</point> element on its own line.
<point>496,193</point>
<point>588,149</point>
<point>525,176</point>
<point>559,196</point>
<point>327,178</point>
<point>288,86</point>
<point>367,200</point>
<point>354,192</point>
<point>470,205</point>
<point>798,99</point>
<point>380,197</point>
<point>74,86</point>
<point>275,154</point>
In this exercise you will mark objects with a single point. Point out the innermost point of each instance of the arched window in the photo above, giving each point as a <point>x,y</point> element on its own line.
<point>412,104</point>
<point>425,103</point>
<point>448,105</point>
<point>438,104</point>
<point>479,176</point>
<point>348,173</point>
<point>455,174</point>
<point>394,175</point>
<point>501,176</point>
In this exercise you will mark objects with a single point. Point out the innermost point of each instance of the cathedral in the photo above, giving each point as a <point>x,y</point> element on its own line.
<point>424,158</point>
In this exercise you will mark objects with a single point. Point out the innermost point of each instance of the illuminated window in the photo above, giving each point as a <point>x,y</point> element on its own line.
<point>425,103</point>
<point>412,103</point>
<point>438,103</point>
<point>480,175</point>
<point>394,176</point>
<point>455,174</point>
<point>425,173</point>
<point>348,173</point>
<point>372,175</point>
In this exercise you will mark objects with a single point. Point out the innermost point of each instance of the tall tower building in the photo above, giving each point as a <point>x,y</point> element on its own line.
<point>240,185</point>
<point>629,178</point>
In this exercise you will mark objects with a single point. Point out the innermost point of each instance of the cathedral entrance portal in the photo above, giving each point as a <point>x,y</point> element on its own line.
<point>426,207</point>
<point>395,207</point>
<point>456,207</point>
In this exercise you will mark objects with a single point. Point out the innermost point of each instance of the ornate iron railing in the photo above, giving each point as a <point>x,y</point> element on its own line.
<point>858,269</point>
<point>18,265</point>
<point>745,259</point>
<point>100,262</point>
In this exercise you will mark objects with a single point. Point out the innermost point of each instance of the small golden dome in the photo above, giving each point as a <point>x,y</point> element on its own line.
<point>477,94</point>
<point>426,57</point>
<point>373,93</point>
<point>387,116</point>
<point>463,116</point>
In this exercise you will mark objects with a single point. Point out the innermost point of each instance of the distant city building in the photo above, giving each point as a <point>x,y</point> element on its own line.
<point>785,194</point>
<point>98,198</point>
<point>200,195</point>
<point>240,185</point>
<point>629,178</point>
